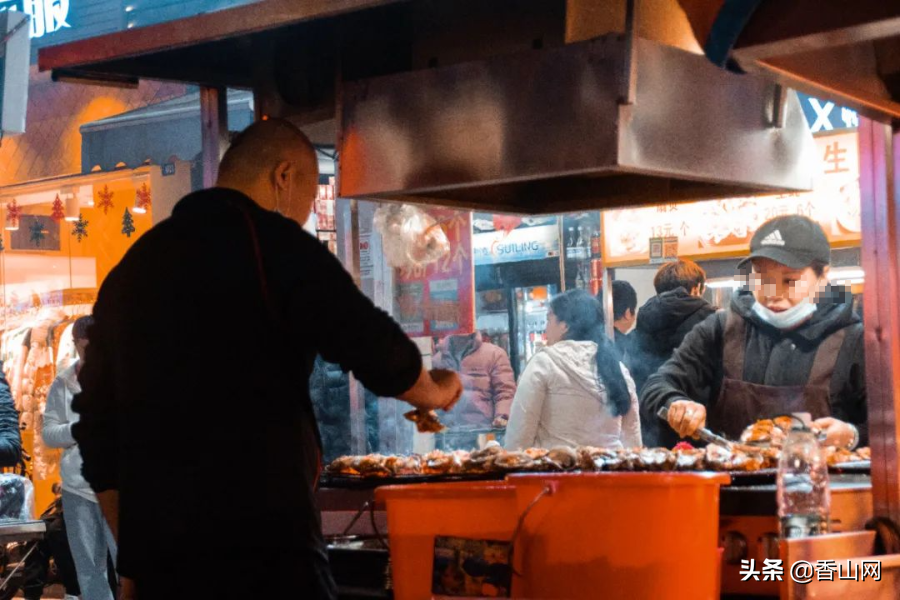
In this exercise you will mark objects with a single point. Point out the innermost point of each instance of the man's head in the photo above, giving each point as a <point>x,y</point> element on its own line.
<point>80,335</point>
<point>790,259</point>
<point>682,273</point>
<point>624,306</point>
<point>273,163</point>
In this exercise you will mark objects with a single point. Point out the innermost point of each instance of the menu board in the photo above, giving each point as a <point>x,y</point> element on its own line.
<point>723,228</point>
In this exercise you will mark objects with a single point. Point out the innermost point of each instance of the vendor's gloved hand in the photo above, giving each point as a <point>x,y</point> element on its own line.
<point>837,433</point>
<point>500,422</point>
<point>686,417</point>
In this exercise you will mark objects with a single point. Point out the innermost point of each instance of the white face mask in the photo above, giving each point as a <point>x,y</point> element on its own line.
<point>787,319</point>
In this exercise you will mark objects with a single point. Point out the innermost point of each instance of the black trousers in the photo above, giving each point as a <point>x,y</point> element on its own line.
<point>237,577</point>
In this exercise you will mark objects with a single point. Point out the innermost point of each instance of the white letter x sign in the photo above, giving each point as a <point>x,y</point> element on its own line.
<point>822,112</point>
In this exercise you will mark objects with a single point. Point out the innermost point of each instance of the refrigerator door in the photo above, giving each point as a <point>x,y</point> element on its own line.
<point>531,308</point>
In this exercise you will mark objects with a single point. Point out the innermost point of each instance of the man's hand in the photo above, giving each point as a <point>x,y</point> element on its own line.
<point>436,389</point>
<point>686,417</point>
<point>837,433</point>
<point>500,422</point>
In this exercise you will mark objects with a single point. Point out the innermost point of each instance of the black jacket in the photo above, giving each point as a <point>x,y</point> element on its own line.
<point>195,402</point>
<point>10,438</point>
<point>329,390</point>
<point>772,357</point>
<point>662,324</point>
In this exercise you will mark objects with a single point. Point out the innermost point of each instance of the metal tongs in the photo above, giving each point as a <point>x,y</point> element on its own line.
<point>703,433</point>
<point>713,438</point>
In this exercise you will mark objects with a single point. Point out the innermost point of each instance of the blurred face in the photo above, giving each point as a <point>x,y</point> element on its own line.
<point>779,288</point>
<point>81,348</point>
<point>556,329</point>
<point>626,323</point>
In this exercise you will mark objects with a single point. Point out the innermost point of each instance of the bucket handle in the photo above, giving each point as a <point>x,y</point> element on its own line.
<point>369,506</point>
<point>378,534</point>
<point>548,490</point>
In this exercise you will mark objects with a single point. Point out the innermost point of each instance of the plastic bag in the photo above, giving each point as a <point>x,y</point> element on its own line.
<point>410,237</point>
<point>16,498</point>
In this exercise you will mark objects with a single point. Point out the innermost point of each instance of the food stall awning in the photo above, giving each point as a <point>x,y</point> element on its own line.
<point>483,105</point>
<point>222,49</point>
<point>847,52</point>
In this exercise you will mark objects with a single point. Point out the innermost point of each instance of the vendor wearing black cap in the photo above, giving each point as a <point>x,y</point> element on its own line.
<point>789,343</point>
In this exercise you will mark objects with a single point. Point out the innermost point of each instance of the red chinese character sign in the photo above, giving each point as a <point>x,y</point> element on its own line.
<point>722,228</point>
<point>439,299</point>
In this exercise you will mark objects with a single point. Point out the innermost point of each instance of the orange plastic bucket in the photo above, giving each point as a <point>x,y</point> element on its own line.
<point>625,536</point>
<point>418,513</point>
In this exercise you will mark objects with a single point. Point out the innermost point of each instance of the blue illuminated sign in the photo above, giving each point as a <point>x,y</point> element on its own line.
<point>47,16</point>
<point>824,115</point>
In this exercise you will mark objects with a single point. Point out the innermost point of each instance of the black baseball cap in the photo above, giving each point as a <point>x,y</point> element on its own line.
<point>792,240</point>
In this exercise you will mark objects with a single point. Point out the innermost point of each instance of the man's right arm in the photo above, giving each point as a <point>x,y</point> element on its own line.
<point>685,380</point>
<point>348,329</point>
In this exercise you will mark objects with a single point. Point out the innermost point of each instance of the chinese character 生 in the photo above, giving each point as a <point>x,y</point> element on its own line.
<point>835,156</point>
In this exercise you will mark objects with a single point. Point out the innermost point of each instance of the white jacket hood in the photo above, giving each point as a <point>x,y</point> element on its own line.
<point>561,402</point>
<point>579,361</point>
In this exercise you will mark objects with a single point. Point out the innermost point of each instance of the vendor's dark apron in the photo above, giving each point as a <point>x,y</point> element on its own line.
<point>741,403</point>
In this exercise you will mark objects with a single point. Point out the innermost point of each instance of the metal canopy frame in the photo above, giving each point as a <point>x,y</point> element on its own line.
<point>829,49</point>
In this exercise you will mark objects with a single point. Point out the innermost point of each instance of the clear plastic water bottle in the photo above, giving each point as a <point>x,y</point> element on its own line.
<point>804,498</point>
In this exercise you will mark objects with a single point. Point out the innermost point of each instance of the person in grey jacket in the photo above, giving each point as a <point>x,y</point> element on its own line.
<point>90,538</point>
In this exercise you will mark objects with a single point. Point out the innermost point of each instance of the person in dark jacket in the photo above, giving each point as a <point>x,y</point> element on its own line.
<point>662,323</point>
<point>789,343</point>
<point>10,438</point>
<point>329,390</point>
<point>624,314</point>
<point>196,423</point>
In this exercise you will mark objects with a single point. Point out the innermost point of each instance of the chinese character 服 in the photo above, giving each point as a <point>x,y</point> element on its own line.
<point>835,156</point>
<point>825,570</point>
<point>748,570</point>
<point>871,569</point>
<point>47,16</point>
<point>772,570</point>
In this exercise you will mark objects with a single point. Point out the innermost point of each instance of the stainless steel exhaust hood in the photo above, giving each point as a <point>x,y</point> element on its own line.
<point>608,122</point>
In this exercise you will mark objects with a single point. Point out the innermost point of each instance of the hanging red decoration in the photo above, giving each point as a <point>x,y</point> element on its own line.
<point>106,198</point>
<point>13,212</point>
<point>59,211</point>
<point>143,199</point>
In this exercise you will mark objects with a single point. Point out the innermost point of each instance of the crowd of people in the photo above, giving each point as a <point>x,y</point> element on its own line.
<point>788,343</point>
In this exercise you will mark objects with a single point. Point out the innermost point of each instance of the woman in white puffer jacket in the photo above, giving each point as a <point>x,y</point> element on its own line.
<point>575,392</point>
<point>89,535</point>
